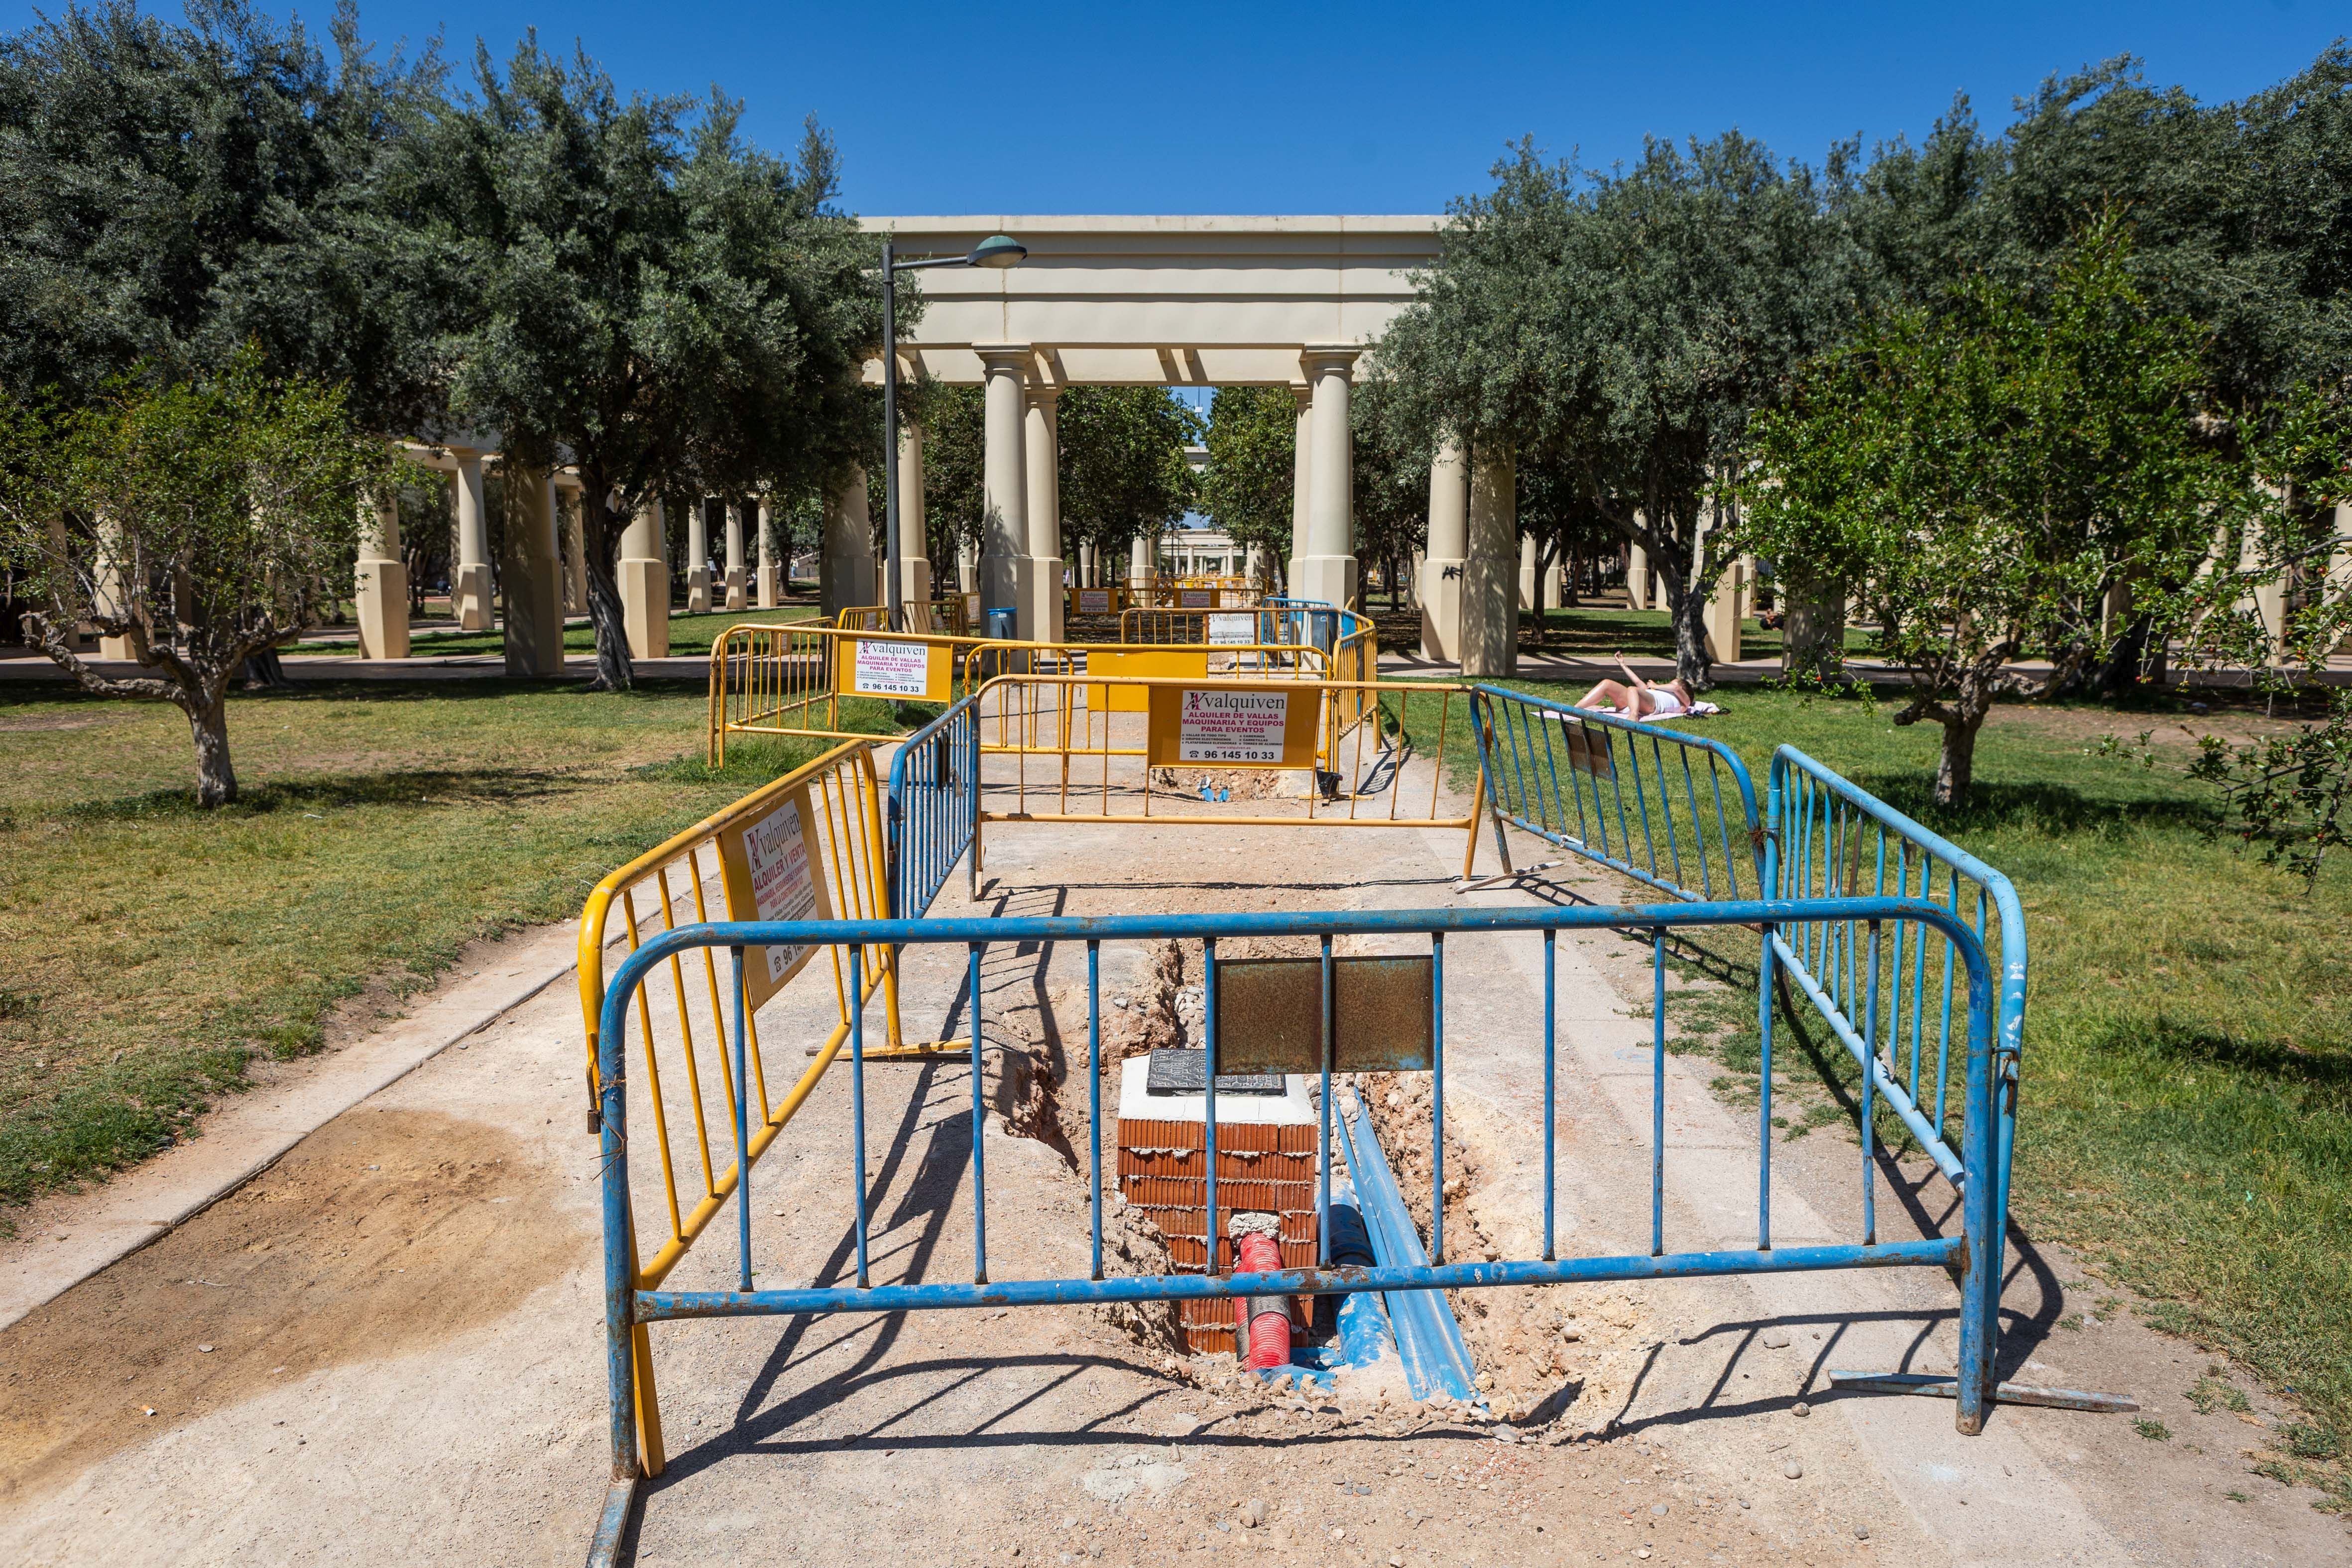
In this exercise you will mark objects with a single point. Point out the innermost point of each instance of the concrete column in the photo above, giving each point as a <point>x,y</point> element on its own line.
<point>1449,548</point>
<point>1328,569</point>
<point>1005,482</point>
<point>738,578</point>
<point>697,558</point>
<point>469,581</point>
<point>575,551</point>
<point>1041,573</point>
<point>1087,563</point>
<point>771,584</point>
<point>644,572</point>
<point>1138,563</point>
<point>1490,600</point>
<point>381,582</point>
<point>1637,578</point>
<point>914,531</point>
<point>1301,476</point>
<point>108,597</point>
<point>531,576</point>
<point>845,573</point>
<point>1529,556</point>
<point>967,566</point>
<point>1721,615</point>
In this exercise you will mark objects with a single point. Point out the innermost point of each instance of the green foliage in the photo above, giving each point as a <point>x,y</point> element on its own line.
<point>2236,207</point>
<point>669,307</point>
<point>175,195</point>
<point>2291,794</point>
<point>198,520</point>
<point>1985,475</point>
<point>1628,325</point>
<point>1122,459</point>
<point>1249,485</point>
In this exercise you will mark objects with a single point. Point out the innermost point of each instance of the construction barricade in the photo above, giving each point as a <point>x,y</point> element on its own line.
<point>1679,812</point>
<point>1107,749</point>
<point>931,617</point>
<point>1235,1041</point>
<point>808,846</point>
<point>798,680</point>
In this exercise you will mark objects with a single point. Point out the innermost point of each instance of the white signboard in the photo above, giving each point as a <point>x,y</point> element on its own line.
<point>782,887</point>
<point>1094,601</point>
<point>892,668</point>
<point>1233,630</point>
<point>1196,598</point>
<point>1232,726</point>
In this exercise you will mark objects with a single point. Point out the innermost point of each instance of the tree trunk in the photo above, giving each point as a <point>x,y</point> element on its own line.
<point>1956,769</point>
<point>1813,626</point>
<point>208,721</point>
<point>264,671</point>
<point>1689,619</point>
<point>616,672</point>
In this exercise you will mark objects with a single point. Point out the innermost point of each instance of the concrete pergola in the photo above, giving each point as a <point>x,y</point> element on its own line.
<point>1289,301</point>
<point>1292,301</point>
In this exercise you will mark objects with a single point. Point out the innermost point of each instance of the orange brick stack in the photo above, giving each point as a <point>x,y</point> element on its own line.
<point>1268,1167</point>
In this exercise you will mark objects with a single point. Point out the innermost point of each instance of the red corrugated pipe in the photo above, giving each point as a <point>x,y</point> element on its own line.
<point>1267,1317</point>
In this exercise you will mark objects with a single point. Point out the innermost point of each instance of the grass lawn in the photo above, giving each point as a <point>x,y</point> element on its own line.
<point>688,635</point>
<point>154,949</point>
<point>2186,1113</point>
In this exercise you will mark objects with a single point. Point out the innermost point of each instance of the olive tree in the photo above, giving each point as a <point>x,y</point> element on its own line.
<point>1628,324</point>
<point>199,523</point>
<point>663,306</point>
<point>1987,472</point>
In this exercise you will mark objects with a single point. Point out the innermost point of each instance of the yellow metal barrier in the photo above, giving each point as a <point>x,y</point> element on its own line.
<point>1350,746</point>
<point>792,680</point>
<point>931,617</point>
<point>836,805</point>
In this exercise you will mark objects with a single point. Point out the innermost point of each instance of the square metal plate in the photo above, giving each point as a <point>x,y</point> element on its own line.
<point>1186,1072</point>
<point>1269,1014</point>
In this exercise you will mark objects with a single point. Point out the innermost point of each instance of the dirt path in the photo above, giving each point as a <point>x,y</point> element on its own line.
<point>404,1323</point>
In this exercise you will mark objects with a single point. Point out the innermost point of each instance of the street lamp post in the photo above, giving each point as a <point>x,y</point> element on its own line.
<point>997,252</point>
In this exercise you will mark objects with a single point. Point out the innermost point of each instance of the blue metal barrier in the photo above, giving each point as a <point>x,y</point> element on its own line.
<point>629,1303</point>
<point>934,805</point>
<point>1831,840</point>
<point>1561,773</point>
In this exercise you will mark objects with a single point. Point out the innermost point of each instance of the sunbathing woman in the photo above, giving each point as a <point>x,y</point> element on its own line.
<point>1637,699</point>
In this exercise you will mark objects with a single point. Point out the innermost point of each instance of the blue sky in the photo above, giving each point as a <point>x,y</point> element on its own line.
<point>1105,108</point>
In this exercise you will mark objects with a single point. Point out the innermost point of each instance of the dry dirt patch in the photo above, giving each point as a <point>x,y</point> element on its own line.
<point>383,1233</point>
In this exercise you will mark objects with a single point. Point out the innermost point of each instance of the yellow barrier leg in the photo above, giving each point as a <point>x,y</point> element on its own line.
<point>1478,810</point>
<point>641,1361</point>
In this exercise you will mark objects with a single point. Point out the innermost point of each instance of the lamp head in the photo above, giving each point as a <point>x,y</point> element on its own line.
<point>997,252</point>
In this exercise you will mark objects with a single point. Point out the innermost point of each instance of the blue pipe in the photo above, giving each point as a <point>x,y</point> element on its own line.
<point>1436,1361</point>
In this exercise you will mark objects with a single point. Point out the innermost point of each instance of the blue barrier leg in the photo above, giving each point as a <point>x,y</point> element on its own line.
<point>743,1124</point>
<point>1550,1112</point>
<point>1658,1092</point>
<point>1437,1096</point>
<point>1209,1088</point>
<point>1869,1109</point>
<point>1323,1122</point>
<point>1094,1096</point>
<point>858,1100</point>
<point>979,1126</point>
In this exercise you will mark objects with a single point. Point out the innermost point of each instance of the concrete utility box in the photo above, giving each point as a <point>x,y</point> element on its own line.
<point>1265,1162</point>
